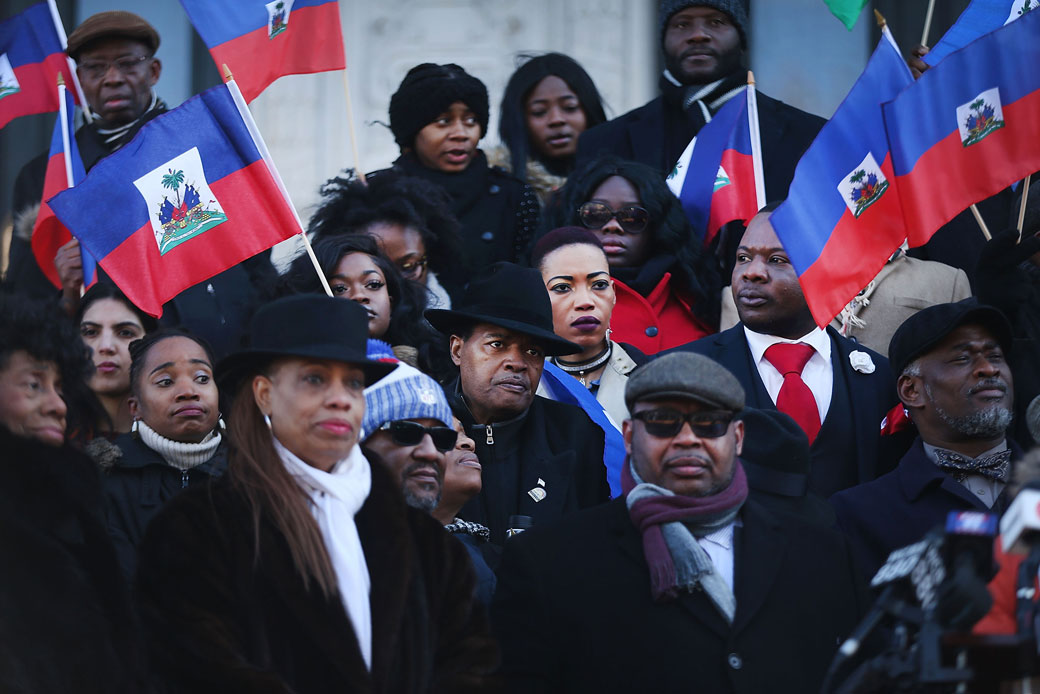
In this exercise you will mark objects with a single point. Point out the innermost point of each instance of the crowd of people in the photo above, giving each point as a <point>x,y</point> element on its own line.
<point>541,436</point>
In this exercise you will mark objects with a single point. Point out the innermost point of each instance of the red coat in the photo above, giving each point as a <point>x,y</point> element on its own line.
<point>660,321</point>
<point>1001,617</point>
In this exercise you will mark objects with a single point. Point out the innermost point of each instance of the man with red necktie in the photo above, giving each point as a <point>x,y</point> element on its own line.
<point>835,389</point>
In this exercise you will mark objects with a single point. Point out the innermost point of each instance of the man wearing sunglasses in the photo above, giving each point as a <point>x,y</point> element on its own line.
<point>704,44</point>
<point>685,581</point>
<point>407,425</point>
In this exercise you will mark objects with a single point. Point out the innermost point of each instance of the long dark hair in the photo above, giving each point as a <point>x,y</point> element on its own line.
<point>407,297</point>
<point>670,231</point>
<point>107,290</point>
<point>256,471</point>
<point>512,121</point>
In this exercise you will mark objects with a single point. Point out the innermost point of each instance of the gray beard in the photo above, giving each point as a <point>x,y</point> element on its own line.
<point>424,503</point>
<point>984,424</point>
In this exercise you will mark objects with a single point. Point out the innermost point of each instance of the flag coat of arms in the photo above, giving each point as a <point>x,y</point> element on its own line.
<point>722,146</point>
<point>261,41</point>
<point>979,18</point>
<point>48,233</point>
<point>31,55</point>
<point>968,128</point>
<point>842,219</point>
<point>189,197</point>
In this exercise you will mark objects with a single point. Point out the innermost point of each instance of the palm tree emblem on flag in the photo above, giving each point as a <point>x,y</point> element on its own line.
<point>187,215</point>
<point>863,186</point>
<point>981,116</point>
<point>278,17</point>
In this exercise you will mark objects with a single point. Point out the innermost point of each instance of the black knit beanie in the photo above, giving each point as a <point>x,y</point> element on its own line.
<point>426,92</point>
<point>734,8</point>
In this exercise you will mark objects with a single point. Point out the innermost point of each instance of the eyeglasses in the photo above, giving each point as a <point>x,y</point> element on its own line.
<point>96,69</point>
<point>412,268</point>
<point>666,423</point>
<point>595,215</point>
<point>405,433</point>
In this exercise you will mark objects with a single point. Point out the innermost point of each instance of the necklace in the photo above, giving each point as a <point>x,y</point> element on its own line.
<point>585,367</point>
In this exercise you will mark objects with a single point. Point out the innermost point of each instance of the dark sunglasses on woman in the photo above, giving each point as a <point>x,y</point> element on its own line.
<point>406,433</point>
<point>594,215</point>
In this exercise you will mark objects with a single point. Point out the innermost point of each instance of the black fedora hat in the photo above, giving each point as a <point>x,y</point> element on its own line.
<point>311,326</point>
<point>510,296</point>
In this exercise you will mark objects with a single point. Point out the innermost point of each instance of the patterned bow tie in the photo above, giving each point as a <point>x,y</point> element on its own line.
<point>994,466</point>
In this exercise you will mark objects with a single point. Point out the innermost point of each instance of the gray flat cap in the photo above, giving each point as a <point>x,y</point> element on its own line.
<point>687,376</point>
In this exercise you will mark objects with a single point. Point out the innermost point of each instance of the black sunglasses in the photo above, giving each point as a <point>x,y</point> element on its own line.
<point>665,423</point>
<point>405,433</point>
<point>594,215</point>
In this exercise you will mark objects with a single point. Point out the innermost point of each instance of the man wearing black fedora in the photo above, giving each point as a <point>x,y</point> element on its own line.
<point>541,459</point>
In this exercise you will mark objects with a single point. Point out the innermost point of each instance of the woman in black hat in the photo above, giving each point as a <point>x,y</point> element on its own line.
<point>438,116</point>
<point>302,569</point>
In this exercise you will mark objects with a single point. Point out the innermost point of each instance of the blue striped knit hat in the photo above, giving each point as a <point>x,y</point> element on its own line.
<point>406,393</point>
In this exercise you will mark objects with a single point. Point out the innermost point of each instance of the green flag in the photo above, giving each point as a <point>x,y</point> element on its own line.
<point>846,10</point>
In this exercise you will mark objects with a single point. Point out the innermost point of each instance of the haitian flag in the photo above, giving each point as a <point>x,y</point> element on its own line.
<point>64,170</point>
<point>968,128</point>
<point>842,220</point>
<point>723,146</point>
<point>261,42</point>
<point>189,197</point>
<point>32,52</point>
<point>980,17</point>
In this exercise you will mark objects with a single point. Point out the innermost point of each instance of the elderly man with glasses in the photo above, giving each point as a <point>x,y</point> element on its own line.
<point>684,582</point>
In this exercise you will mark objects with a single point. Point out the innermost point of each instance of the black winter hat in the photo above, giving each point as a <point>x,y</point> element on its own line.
<point>928,327</point>
<point>734,8</point>
<point>775,453</point>
<point>426,92</point>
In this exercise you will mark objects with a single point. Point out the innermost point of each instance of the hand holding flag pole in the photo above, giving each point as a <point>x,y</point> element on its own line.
<point>258,140</point>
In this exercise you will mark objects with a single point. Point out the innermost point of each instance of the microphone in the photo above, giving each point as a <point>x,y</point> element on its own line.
<point>918,567</point>
<point>1021,522</point>
<point>964,597</point>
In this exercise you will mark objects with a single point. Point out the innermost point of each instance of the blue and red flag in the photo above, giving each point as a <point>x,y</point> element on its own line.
<point>842,220</point>
<point>64,170</point>
<point>722,146</point>
<point>261,42</point>
<point>32,52</point>
<point>979,18</point>
<point>189,197</point>
<point>968,128</point>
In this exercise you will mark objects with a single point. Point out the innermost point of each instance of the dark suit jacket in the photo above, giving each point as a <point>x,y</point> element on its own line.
<point>871,396</point>
<point>638,135</point>
<point>899,508</point>
<point>224,617</point>
<point>574,613</point>
<point>557,444</point>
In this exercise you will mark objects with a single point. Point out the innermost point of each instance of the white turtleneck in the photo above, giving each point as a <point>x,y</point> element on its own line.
<point>336,497</point>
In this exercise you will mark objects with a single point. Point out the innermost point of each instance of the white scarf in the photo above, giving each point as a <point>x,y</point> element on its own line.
<point>335,499</point>
<point>179,454</point>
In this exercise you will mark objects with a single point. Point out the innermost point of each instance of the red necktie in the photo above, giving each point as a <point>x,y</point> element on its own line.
<point>795,398</point>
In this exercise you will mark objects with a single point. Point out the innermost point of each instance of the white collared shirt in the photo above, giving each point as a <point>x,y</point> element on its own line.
<point>719,546</point>
<point>817,374</point>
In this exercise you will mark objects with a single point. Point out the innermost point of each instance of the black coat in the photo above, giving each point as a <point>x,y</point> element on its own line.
<point>861,456</point>
<point>136,485</point>
<point>558,445</point>
<point>899,508</point>
<point>639,135</point>
<point>66,623</point>
<point>574,612</point>
<point>220,617</point>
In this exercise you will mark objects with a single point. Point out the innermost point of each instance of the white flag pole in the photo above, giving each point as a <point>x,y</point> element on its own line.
<point>927,22</point>
<point>1022,205</point>
<point>66,139</point>
<point>60,28</point>
<point>350,109</point>
<point>261,146</point>
<point>756,141</point>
